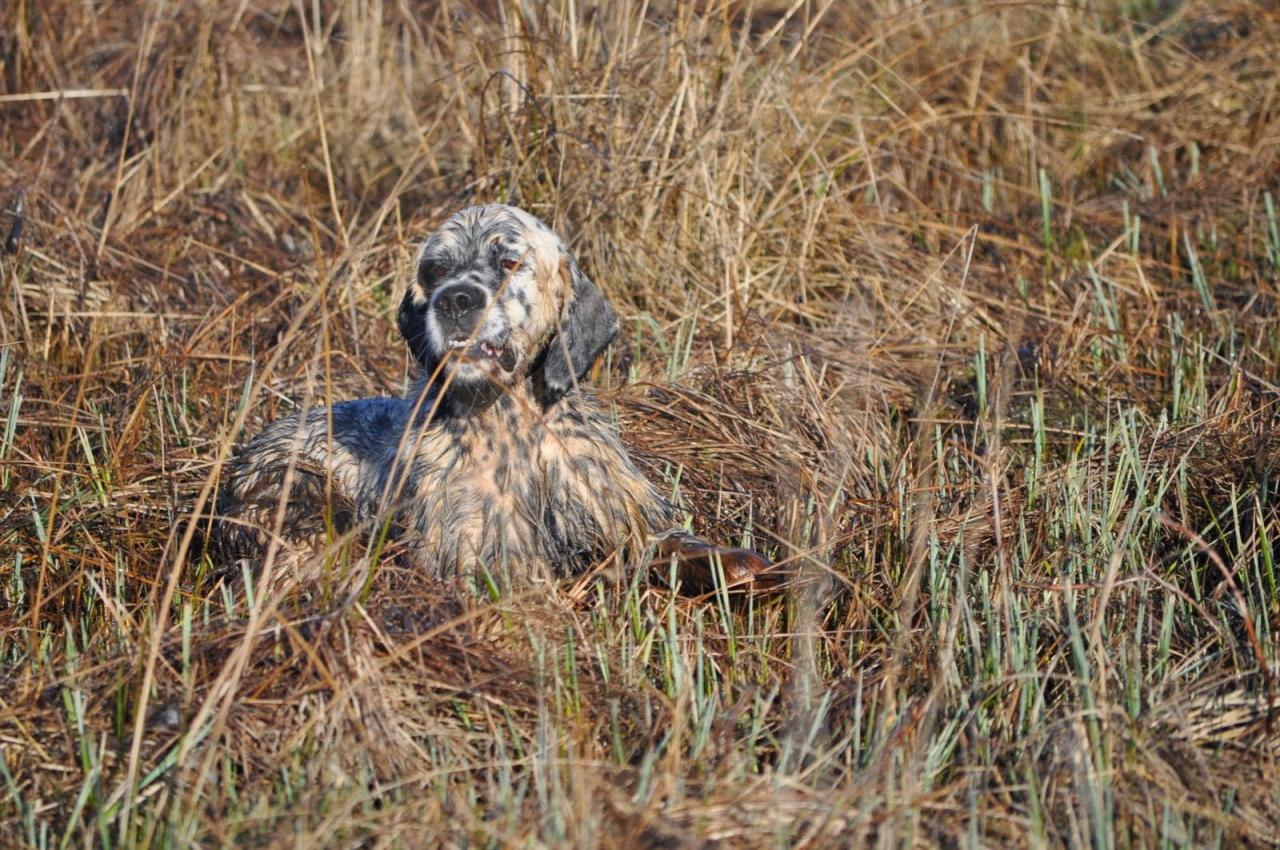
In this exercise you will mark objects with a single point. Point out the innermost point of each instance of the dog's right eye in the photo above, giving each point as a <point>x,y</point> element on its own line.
<point>429,274</point>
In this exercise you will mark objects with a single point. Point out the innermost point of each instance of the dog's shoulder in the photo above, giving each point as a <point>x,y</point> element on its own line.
<point>580,415</point>
<point>369,429</point>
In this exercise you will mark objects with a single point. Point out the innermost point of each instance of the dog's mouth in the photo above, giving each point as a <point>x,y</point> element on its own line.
<point>504,356</point>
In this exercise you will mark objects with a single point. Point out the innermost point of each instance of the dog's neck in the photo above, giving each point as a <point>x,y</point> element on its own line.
<point>473,406</point>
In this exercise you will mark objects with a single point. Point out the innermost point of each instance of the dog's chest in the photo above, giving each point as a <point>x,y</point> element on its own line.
<point>526,491</point>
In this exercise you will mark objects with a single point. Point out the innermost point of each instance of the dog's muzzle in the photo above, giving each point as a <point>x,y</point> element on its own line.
<point>459,309</point>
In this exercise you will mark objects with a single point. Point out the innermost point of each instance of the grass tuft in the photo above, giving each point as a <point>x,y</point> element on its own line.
<point>968,312</point>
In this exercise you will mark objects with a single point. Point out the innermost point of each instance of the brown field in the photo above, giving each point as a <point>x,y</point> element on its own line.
<point>965,311</point>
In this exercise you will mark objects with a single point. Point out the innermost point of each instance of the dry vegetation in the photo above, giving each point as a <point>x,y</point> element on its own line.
<point>968,311</point>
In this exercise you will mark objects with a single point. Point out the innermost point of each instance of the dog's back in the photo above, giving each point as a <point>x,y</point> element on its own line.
<point>513,488</point>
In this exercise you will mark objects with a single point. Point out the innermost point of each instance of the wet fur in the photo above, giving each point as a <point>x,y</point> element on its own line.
<point>522,474</point>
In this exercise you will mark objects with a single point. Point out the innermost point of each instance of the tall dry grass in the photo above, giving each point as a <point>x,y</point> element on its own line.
<point>967,310</point>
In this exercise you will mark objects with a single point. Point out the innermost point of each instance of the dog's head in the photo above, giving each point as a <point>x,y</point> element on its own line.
<point>497,299</point>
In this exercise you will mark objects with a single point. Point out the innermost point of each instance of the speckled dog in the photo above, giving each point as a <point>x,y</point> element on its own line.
<point>496,456</point>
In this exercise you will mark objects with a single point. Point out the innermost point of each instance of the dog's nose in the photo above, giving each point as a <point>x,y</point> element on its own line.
<point>459,304</point>
<point>456,301</point>
<point>460,301</point>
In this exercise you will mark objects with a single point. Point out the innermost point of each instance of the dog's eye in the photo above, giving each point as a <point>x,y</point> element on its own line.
<point>510,263</point>
<point>429,274</point>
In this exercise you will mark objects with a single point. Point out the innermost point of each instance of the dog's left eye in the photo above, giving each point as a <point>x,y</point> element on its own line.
<point>510,263</point>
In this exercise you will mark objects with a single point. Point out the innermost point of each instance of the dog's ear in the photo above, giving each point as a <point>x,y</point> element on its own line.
<point>412,321</point>
<point>587,325</point>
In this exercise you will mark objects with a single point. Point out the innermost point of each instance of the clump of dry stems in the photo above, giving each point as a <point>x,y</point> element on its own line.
<point>968,311</point>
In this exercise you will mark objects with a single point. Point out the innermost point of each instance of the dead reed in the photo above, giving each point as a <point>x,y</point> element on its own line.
<point>969,310</point>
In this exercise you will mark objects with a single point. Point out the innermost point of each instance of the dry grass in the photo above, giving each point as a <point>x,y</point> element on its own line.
<point>969,310</point>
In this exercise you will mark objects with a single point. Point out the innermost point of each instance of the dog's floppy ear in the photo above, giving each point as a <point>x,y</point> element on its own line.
<point>412,321</point>
<point>587,325</point>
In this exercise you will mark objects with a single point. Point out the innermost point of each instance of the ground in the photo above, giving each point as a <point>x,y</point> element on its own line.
<point>965,312</point>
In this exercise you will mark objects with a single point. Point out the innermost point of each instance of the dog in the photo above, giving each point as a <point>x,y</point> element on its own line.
<point>497,458</point>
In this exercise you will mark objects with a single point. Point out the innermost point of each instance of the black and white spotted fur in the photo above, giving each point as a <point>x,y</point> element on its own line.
<point>496,457</point>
